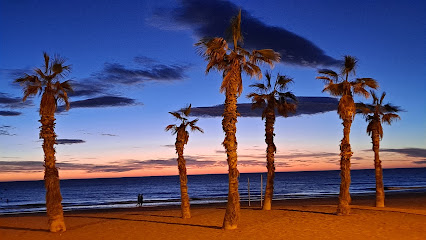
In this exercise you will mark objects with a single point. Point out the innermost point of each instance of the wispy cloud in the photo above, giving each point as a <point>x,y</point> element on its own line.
<point>116,166</point>
<point>6,101</point>
<point>410,152</point>
<point>5,130</point>
<point>306,105</point>
<point>104,101</point>
<point>211,19</point>
<point>146,70</point>
<point>9,113</point>
<point>69,141</point>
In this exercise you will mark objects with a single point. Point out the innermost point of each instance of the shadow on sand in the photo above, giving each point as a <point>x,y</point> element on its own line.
<point>24,229</point>
<point>306,211</point>
<point>149,221</point>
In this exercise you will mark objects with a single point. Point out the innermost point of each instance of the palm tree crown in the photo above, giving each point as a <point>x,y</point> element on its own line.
<point>271,97</point>
<point>182,115</point>
<point>339,85</point>
<point>377,113</point>
<point>234,61</point>
<point>48,78</point>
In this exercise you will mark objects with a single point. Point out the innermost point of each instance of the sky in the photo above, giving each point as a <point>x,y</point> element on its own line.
<point>135,61</point>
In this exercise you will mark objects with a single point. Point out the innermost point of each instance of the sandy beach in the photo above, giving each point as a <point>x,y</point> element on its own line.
<point>404,217</point>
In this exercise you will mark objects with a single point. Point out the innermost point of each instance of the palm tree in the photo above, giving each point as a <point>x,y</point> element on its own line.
<point>375,114</point>
<point>270,98</point>
<point>339,85</point>
<point>181,139</point>
<point>46,81</point>
<point>232,62</point>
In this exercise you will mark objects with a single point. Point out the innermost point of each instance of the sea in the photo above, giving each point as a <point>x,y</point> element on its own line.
<point>79,194</point>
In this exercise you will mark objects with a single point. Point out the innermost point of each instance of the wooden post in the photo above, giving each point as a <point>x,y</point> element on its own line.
<point>261,190</point>
<point>248,189</point>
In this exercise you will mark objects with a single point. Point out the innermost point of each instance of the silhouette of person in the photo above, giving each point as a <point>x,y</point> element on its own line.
<point>140,200</point>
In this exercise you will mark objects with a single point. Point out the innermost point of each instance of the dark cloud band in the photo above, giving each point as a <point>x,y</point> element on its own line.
<point>99,102</point>
<point>211,19</point>
<point>306,105</point>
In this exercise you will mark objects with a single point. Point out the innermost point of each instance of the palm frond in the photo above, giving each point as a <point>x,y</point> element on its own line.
<point>359,89</point>
<point>214,51</point>
<point>196,128</point>
<point>28,79</point>
<point>260,87</point>
<point>193,122</point>
<point>390,117</point>
<point>171,127</point>
<point>66,86</point>
<point>289,95</point>
<point>31,90</point>
<point>285,108</point>
<point>40,73</point>
<point>268,56</point>
<point>370,82</point>
<point>364,109</point>
<point>255,70</point>
<point>349,65</point>
<point>282,82</point>
<point>391,108</point>
<point>268,77</point>
<point>64,98</point>
<point>46,62</point>
<point>186,111</point>
<point>374,96</point>
<point>332,74</point>
<point>382,97</point>
<point>176,115</point>
<point>335,89</point>
<point>235,30</point>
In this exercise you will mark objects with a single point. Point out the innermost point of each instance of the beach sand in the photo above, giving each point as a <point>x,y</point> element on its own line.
<point>404,217</point>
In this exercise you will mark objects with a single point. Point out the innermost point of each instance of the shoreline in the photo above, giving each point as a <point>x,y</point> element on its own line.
<point>403,217</point>
<point>365,198</point>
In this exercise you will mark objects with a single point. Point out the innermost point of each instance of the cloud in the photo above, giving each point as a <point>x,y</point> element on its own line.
<point>109,134</point>
<point>411,152</point>
<point>69,141</point>
<point>21,166</point>
<point>13,102</point>
<point>88,88</point>
<point>211,19</point>
<point>104,101</point>
<point>169,145</point>
<point>14,73</point>
<point>420,162</point>
<point>9,113</point>
<point>306,105</point>
<point>116,166</point>
<point>4,130</point>
<point>118,73</point>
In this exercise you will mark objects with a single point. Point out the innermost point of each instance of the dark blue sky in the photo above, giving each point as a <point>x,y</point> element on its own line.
<point>134,61</point>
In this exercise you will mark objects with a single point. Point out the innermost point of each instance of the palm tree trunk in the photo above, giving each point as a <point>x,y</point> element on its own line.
<point>270,151</point>
<point>229,121</point>
<point>380,191</point>
<point>51,177</point>
<point>180,140</point>
<point>345,169</point>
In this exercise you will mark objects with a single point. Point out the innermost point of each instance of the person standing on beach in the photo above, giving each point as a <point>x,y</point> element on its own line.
<point>140,200</point>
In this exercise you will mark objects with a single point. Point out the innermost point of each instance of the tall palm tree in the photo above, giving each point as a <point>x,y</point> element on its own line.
<point>182,137</point>
<point>270,97</point>
<point>46,82</point>
<point>375,114</point>
<point>339,85</point>
<point>232,62</point>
